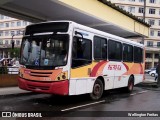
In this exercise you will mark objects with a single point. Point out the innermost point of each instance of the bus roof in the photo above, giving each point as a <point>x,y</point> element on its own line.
<point>95,31</point>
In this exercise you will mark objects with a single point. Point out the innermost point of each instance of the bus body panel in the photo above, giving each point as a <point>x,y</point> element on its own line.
<point>59,88</point>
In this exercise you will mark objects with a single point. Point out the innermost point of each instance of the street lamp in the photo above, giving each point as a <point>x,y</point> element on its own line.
<point>20,33</point>
<point>12,41</point>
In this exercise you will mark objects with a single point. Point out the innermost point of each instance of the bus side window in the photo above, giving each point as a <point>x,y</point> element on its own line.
<point>138,55</point>
<point>100,48</point>
<point>114,50</point>
<point>127,53</point>
<point>81,52</point>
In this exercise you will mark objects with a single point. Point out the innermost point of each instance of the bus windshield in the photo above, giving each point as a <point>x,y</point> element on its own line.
<point>44,51</point>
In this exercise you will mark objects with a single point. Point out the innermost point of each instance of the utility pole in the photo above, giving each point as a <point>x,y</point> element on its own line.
<point>144,17</point>
<point>144,12</point>
<point>158,80</point>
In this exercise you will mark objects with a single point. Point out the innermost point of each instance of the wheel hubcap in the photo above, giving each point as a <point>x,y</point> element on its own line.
<point>130,86</point>
<point>97,89</point>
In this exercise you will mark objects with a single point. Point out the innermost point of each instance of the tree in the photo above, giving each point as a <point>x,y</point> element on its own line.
<point>14,53</point>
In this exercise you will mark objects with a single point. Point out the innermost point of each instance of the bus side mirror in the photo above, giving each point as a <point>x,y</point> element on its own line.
<point>78,33</point>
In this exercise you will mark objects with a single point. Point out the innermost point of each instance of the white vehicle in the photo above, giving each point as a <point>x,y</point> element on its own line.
<point>149,70</point>
<point>153,73</point>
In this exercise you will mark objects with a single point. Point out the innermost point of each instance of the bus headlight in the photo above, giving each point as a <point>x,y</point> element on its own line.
<point>62,76</point>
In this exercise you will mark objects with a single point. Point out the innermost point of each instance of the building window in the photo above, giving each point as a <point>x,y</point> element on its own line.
<point>151,22</point>
<point>158,33</point>
<point>1,33</point>
<point>151,32</point>
<point>1,42</point>
<point>19,32</point>
<point>122,7</point>
<point>158,44</point>
<point>6,17</point>
<point>148,55</point>
<point>152,1</point>
<point>150,43</point>
<point>1,25</point>
<point>141,10</point>
<point>18,23</point>
<point>131,9</point>
<point>17,42</point>
<point>6,42</point>
<point>6,33</point>
<point>159,22</point>
<point>152,11</point>
<point>132,0</point>
<point>156,56</point>
<point>141,0</point>
<point>1,17</point>
<point>12,24</point>
<point>12,33</point>
<point>24,23</point>
<point>6,24</point>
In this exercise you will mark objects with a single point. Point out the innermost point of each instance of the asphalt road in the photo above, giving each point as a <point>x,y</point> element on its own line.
<point>115,104</point>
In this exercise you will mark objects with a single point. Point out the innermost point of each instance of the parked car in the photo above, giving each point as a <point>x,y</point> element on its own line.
<point>153,73</point>
<point>149,70</point>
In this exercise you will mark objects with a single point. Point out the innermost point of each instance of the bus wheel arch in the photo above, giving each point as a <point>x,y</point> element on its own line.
<point>98,89</point>
<point>130,84</point>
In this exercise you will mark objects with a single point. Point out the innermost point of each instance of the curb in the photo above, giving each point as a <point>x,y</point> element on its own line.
<point>148,84</point>
<point>18,94</point>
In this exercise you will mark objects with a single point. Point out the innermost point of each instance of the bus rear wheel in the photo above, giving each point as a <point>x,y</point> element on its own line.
<point>130,84</point>
<point>97,90</point>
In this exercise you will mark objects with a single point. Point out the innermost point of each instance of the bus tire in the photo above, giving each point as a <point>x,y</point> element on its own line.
<point>97,90</point>
<point>130,85</point>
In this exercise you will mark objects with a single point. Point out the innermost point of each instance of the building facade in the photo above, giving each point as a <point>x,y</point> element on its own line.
<point>11,30</point>
<point>152,17</point>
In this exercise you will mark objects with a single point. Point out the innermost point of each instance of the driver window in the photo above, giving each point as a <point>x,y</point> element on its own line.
<point>81,52</point>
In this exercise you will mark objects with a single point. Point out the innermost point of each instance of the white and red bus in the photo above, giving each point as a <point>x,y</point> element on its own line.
<point>66,58</point>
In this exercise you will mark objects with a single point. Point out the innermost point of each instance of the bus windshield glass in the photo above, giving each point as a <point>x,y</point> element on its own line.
<point>47,51</point>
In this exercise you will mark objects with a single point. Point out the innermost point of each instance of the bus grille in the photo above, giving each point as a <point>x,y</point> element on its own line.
<point>40,74</point>
<point>33,87</point>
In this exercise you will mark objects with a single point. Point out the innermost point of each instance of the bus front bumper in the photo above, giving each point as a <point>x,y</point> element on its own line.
<point>59,88</point>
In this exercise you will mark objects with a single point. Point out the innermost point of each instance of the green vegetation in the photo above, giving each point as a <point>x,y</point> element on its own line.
<point>3,70</point>
<point>14,53</point>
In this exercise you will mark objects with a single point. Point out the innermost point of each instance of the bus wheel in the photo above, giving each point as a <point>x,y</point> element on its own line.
<point>97,90</point>
<point>130,84</point>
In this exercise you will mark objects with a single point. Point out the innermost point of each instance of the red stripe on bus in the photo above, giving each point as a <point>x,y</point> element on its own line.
<point>97,66</point>
<point>126,66</point>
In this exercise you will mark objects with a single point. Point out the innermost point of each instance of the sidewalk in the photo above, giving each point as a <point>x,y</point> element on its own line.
<point>149,81</point>
<point>16,90</point>
<point>12,91</point>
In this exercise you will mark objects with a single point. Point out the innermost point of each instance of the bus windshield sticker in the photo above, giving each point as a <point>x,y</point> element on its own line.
<point>37,62</point>
<point>45,61</point>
